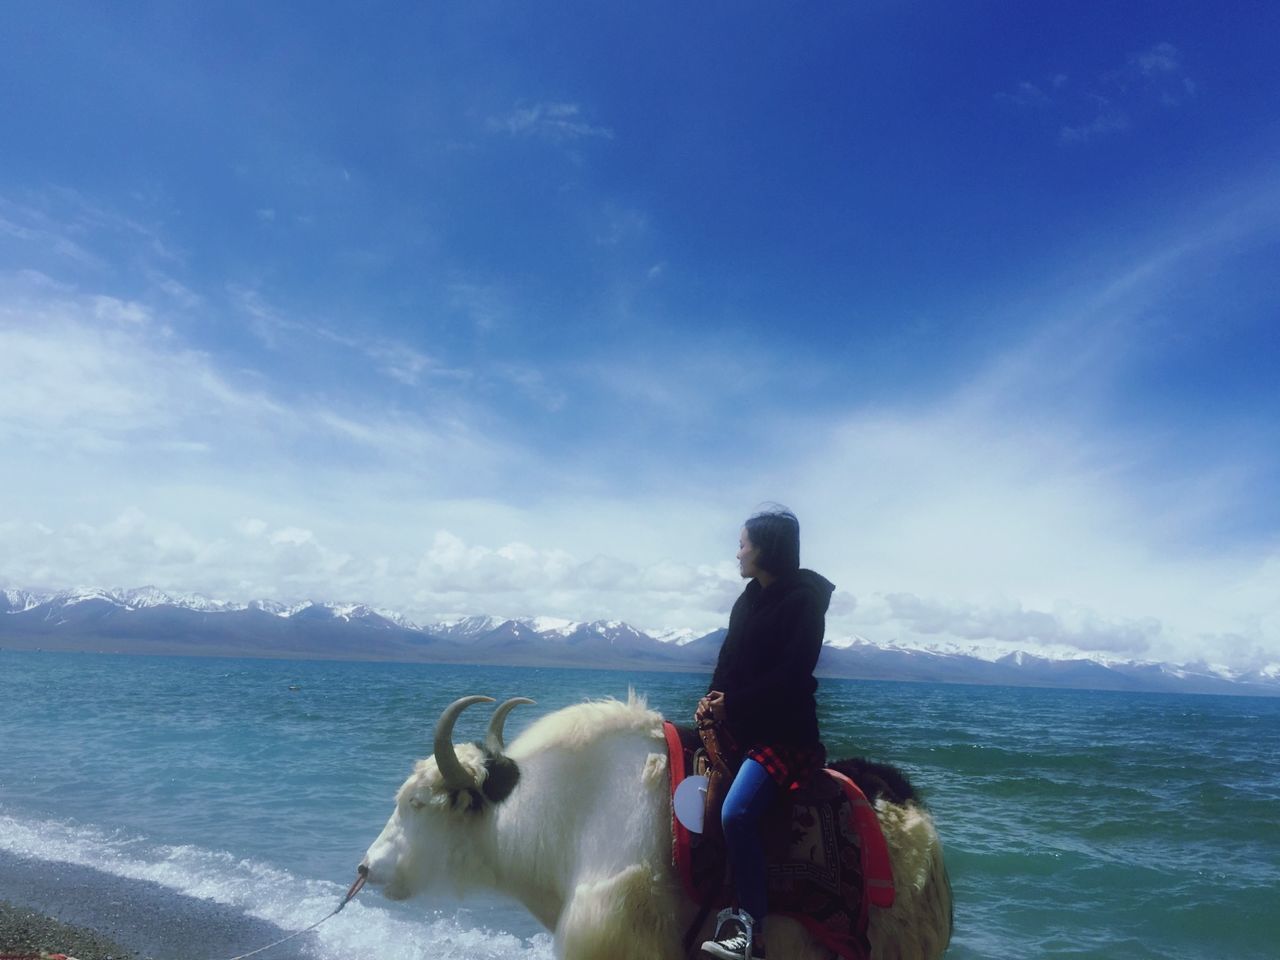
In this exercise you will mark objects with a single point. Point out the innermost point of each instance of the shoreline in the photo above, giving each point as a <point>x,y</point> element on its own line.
<point>92,915</point>
<point>25,931</point>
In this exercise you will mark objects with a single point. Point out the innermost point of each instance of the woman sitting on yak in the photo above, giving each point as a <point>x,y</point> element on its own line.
<point>762,697</point>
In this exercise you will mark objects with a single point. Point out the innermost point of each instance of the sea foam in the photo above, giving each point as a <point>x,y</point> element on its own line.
<point>267,893</point>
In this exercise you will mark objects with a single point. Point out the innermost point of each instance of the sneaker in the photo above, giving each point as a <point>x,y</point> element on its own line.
<point>735,942</point>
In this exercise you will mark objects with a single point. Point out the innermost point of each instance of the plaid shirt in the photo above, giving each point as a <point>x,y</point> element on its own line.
<point>789,766</point>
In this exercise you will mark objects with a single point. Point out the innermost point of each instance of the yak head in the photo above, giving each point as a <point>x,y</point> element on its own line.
<point>439,832</point>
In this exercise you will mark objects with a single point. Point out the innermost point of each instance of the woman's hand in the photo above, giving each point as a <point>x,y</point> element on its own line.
<point>711,707</point>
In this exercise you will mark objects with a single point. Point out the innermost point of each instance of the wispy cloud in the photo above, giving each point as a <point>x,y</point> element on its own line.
<point>90,370</point>
<point>1005,512</point>
<point>992,517</point>
<point>486,305</point>
<point>1160,72</point>
<point>1028,94</point>
<point>71,225</point>
<point>249,558</point>
<point>553,120</point>
<point>395,359</point>
<point>207,477</point>
<point>1030,531</point>
<point>619,224</point>
<point>1025,509</point>
<point>58,233</point>
<point>1108,118</point>
<point>1014,627</point>
<point>1112,102</point>
<point>400,361</point>
<point>93,375</point>
<point>37,231</point>
<point>516,575</point>
<point>533,384</point>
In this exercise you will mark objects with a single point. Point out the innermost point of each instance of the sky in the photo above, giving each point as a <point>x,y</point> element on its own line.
<point>507,309</point>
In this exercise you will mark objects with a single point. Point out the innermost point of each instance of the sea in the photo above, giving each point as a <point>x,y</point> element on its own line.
<point>244,792</point>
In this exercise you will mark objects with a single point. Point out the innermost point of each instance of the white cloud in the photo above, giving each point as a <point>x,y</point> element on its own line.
<point>395,359</point>
<point>1014,627</point>
<point>136,459</point>
<point>1002,513</point>
<point>87,366</point>
<point>532,384</point>
<point>451,566</point>
<point>552,120</point>
<point>137,547</point>
<point>400,361</point>
<point>250,559</point>
<point>1108,119</point>
<point>94,386</point>
<point>251,527</point>
<point>114,310</point>
<point>73,554</point>
<point>1019,507</point>
<point>619,224</point>
<point>1110,103</point>
<point>486,305</point>
<point>37,234</point>
<point>1025,94</point>
<point>950,526</point>
<point>517,579</point>
<point>1160,60</point>
<point>63,227</point>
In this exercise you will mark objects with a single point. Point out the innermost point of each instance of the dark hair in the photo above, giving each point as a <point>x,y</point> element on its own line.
<point>776,534</point>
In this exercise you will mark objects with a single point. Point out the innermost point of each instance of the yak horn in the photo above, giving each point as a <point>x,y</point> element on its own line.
<point>455,776</point>
<point>493,739</point>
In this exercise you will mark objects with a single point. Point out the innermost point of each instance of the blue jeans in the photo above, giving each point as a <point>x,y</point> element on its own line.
<point>750,795</point>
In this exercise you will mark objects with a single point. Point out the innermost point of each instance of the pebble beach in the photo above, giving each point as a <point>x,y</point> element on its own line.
<point>92,915</point>
<point>27,932</point>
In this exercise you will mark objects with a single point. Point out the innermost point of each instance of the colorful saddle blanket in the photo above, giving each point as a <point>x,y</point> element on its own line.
<point>828,860</point>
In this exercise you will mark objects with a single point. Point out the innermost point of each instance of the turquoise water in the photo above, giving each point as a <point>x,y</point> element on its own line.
<point>1076,824</point>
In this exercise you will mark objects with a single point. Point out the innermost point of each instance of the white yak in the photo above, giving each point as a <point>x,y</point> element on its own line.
<point>574,821</point>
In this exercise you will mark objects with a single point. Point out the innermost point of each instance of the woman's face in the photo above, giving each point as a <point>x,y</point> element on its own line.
<point>747,554</point>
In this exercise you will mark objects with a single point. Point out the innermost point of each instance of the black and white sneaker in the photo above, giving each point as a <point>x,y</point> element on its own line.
<point>737,942</point>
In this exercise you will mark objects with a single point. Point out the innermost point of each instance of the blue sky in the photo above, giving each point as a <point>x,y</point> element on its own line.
<point>508,310</point>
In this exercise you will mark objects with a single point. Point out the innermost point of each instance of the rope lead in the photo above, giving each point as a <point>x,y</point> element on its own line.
<point>355,888</point>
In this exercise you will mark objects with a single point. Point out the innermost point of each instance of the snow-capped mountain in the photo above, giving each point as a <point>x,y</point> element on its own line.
<point>149,620</point>
<point>465,628</point>
<point>143,597</point>
<point>538,639</point>
<point>146,598</point>
<point>679,637</point>
<point>16,601</point>
<point>139,598</point>
<point>551,631</point>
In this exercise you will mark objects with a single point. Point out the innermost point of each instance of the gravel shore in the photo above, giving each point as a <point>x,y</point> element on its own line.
<point>24,931</point>
<point>91,915</point>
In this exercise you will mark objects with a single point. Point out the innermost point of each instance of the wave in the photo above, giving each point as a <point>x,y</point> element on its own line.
<point>267,893</point>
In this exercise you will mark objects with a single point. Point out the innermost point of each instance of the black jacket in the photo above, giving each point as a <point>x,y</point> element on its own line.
<point>766,662</point>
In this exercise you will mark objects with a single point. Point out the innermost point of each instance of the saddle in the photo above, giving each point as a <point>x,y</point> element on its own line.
<point>828,863</point>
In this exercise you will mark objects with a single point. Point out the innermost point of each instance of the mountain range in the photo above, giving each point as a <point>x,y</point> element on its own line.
<point>147,620</point>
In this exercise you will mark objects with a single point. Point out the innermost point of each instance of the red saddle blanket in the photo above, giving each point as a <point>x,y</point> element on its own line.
<point>828,860</point>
